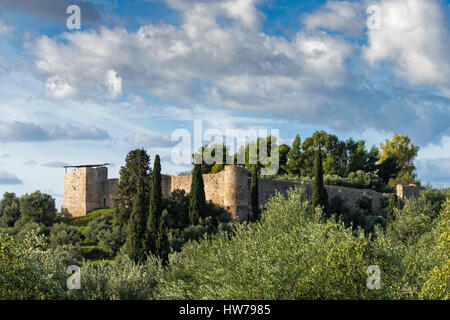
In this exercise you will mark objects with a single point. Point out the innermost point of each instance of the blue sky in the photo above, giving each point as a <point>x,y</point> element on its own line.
<point>138,70</point>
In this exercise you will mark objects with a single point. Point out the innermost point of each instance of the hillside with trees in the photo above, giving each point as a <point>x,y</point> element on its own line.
<point>184,247</point>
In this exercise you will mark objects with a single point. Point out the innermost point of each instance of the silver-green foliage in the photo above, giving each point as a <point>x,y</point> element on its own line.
<point>295,254</point>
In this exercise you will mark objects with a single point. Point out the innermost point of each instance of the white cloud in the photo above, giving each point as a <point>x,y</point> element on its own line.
<point>150,140</point>
<point>114,84</point>
<point>324,57</point>
<point>185,64</point>
<point>432,150</point>
<point>224,64</point>
<point>244,11</point>
<point>414,37</point>
<point>58,88</point>
<point>337,16</point>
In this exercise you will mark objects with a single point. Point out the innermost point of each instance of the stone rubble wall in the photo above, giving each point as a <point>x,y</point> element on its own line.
<point>88,189</point>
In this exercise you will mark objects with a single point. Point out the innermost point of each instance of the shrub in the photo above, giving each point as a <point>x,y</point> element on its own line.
<point>437,285</point>
<point>289,254</point>
<point>62,234</point>
<point>365,202</point>
<point>94,253</point>
<point>38,207</point>
<point>337,204</point>
<point>121,279</point>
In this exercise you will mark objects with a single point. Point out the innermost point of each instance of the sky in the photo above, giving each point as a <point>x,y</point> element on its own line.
<point>136,71</point>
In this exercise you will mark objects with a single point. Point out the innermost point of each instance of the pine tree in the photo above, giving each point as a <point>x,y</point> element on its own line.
<point>137,224</point>
<point>394,203</point>
<point>154,210</point>
<point>294,157</point>
<point>319,196</point>
<point>254,194</point>
<point>197,201</point>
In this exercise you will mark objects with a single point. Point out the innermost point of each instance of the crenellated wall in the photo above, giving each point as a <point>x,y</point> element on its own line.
<point>88,189</point>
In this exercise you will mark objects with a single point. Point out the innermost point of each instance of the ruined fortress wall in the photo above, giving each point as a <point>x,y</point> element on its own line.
<point>268,187</point>
<point>410,191</point>
<point>74,195</point>
<point>236,193</point>
<point>87,189</point>
<point>213,185</point>
<point>228,188</point>
<point>109,190</point>
<point>95,179</point>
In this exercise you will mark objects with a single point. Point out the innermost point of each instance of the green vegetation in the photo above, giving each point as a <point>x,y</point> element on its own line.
<point>345,163</point>
<point>319,193</point>
<point>197,200</point>
<point>136,242</point>
<point>290,253</point>
<point>137,166</point>
<point>183,247</point>
<point>254,194</point>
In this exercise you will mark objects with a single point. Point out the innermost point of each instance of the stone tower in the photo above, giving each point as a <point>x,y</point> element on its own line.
<point>87,188</point>
<point>236,194</point>
<point>407,191</point>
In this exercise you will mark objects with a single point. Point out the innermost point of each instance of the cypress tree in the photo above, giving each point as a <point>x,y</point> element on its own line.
<point>319,196</point>
<point>154,210</point>
<point>254,194</point>
<point>162,242</point>
<point>394,203</point>
<point>137,224</point>
<point>137,165</point>
<point>197,201</point>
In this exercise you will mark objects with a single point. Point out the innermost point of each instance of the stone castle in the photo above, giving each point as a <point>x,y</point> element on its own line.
<point>87,188</point>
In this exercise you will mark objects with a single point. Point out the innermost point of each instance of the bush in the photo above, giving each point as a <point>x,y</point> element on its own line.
<point>413,221</point>
<point>358,179</point>
<point>63,234</point>
<point>95,228</point>
<point>28,271</point>
<point>38,207</point>
<point>94,253</point>
<point>337,205</point>
<point>120,279</point>
<point>365,202</point>
<point>289,254</point>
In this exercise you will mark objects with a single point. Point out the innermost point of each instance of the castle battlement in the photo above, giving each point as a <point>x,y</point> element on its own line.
<point>87,188</point>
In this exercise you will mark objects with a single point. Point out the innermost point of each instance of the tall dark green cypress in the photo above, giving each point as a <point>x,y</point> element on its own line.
<point>162,242</point>
<point>320,195</point>
<point>254,194</point>
<point>137,224</point>
<point>137,164</point>
<point>154,209</point>
<point>197,201</point>
<point>394,203</point>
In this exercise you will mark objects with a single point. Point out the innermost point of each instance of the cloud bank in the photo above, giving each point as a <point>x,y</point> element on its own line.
<point>8,178</point>
<point>219,58</point>
<point>18,131</point>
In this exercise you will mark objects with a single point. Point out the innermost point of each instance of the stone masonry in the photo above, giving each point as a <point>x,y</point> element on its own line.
<point>87,189</point>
